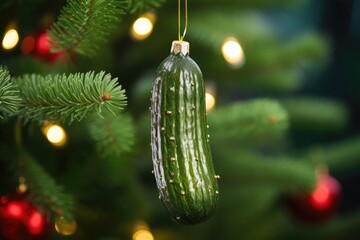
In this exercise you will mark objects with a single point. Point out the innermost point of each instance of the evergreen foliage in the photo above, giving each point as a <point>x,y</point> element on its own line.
<point>113,134</point>
<point>9,94</point>
<point>140,6</point>
<point>262,117</point>
<point>43,190</point>
<point>68,97</point>
<point>316,114</point>
<point>83,26</point>
<point>258,160</point>
<point>282,173</point>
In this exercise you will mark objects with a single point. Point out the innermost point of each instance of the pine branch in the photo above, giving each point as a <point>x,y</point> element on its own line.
<point>343,227</point>
<point>83,26</point>
<point>113,134</point>
<point>316,114</point>
<point>246,120</point>
<point>341,156</point>
<point>304,49</point>
<point>211,28</point>
<point>9,95</point>
<point>282,173</point>
<point>251,201</point>
<point>140,6</point>
<point>247,3</point>
<point>68,97</point>
<point>44,191</point>
<point>275,79</point>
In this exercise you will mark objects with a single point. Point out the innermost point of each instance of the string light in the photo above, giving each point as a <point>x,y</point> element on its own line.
<point>143,26</point>
<point>10,40</point>
<point>142,232</point>
<point>65,227</point>
<point>210,90</point>
<point>22,188</point>
<point>210,101</point>
<point>55,134</point>
<point>232,52</point>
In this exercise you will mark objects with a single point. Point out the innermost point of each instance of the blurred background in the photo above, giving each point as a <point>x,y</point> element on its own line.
<point>283,100</point>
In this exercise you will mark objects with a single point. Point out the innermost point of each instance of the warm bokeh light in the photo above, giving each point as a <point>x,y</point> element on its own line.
<point>55,134</point>
<point>22,188</point>
<point>10,40</point>
<point>143,26</point>
<point>210,101</point>
<point>28,44</point>
<point>232,52</point>
<point>143,234</point>
<point>65,227</point>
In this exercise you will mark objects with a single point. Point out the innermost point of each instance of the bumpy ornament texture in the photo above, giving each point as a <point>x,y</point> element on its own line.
<point>181,151</point>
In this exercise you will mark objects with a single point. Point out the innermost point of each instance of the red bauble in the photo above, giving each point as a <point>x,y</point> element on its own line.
<point>42,49</point>
<point>321,204</point>
<point>19,219</point>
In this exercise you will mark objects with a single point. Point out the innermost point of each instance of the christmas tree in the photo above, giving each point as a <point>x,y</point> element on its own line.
<point>281,99</point>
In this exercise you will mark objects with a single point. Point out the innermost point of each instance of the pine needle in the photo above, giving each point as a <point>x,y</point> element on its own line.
<point>113,134</point>
<point>256,118</point>
<point>9,95</point>
<point>84,25</point>
<point>68,97</point>
<point>44,191</point>
<point>140,6</point>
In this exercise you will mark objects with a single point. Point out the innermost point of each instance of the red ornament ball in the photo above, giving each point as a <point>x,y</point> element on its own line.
<point>319,205</point>
<point>42,49</point>
<point>19,219</point>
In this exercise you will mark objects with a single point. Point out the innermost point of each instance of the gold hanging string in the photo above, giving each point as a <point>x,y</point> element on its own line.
<point>179,20</point>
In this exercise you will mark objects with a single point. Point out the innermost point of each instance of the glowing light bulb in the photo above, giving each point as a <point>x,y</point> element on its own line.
<point>143,234</point>
<point>56,135</point>
<point>232,52</point>
<point>65,227</point>
<point>10,40</point>
<point>143,26</point>
<point>22,188</point>
<point>210,101</point>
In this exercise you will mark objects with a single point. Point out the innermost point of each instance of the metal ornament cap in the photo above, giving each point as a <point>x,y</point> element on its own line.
<point>182,47</point>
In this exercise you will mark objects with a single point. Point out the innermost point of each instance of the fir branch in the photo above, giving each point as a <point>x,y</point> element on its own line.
<point>283,173</point>
<point>83,26</point>
<point>270,79</point>
<point>211,28</point>
<point>246,3</point>
<point>346,226</point>
<point>68,97</point>
<point>248,119</point>
<point>316,114</point>
<point>341,156</point>
<point>140,6</point>
<point>44,191</point>
<point>9,95</point>
<point>113,134</point>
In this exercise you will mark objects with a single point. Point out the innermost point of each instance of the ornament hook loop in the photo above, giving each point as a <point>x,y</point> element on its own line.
<point>181,38</point>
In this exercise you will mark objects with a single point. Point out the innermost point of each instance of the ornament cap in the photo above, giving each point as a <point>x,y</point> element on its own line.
<point>180,47</point>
